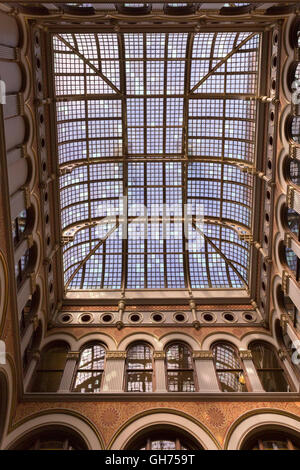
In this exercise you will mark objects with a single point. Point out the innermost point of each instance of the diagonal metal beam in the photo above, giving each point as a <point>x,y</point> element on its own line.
<point>227,261</point>
<point>88,256</point>
<point>89,64</point>
<point>219,64</point>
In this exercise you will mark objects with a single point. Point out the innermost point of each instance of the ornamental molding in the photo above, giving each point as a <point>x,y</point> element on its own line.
<point>116,355</point>
<point>203,355</point>
<point>245,354</point>
<point>159,355</point>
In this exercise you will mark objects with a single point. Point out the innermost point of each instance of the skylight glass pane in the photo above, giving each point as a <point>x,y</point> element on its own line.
<point>153,126</point>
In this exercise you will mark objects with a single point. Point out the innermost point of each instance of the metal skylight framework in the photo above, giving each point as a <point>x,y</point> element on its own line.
<point>160,119</point>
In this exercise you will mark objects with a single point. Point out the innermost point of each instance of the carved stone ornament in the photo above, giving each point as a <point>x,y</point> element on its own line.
<point>245,354</point>
<point>203,355</point>
<point>116,355</point>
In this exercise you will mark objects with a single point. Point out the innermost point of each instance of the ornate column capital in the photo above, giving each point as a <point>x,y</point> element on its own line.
<point>35,354</point>
<point>282,354</point>
<point>283,321</point>
<point>116,355</point>
<point>159,355</point>
<point>290,195</point>
<point>285,282</point>
<point>245,354</point>
<point>73,355</point>
<point>287,240</point>
<point>203,354</point>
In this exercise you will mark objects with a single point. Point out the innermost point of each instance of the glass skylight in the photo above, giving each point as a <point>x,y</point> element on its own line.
<point>153,127</point>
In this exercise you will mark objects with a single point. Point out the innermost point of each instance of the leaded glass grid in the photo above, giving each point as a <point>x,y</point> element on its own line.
<point>162,121</point>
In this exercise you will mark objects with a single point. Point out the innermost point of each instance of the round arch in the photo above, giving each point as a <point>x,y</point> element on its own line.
<point>255,421</point>
<point>163,418</point>
<point>76,423</point>
<point>214,337</point>
<point>140,337</point>
<point>179,337</point>
<point>107,340</point>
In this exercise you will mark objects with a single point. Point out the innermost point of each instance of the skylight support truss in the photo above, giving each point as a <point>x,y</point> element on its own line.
<point>135,120</point>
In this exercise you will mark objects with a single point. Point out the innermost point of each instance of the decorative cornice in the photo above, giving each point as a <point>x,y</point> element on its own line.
<point>116,355</point>
<point>245,354</point>
<point>203,355</point>
<point>159,355</point>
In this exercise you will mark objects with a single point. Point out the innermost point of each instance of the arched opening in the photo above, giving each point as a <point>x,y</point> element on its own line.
<point>29,310</point>
<point>51,367</point>
<point>274,438</point>
<point>229,368</point>
<point>32,346</point>
<point>179,368</point>
<point>51,438</point>
<point>139,368</point>
<point>269,367</point>
<point>90,369</point>
<point>163,438</point>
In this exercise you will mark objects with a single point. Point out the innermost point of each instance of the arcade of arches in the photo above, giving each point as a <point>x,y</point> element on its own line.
<point>149,225</point>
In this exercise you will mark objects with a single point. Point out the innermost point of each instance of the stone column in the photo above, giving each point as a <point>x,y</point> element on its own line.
<point>160,371</point>
<point>291,374</point>
<point>32,366</point>
<point>70,368</point>
<point>205,371</point>
<point>114,371</point>
<point>255,383</point>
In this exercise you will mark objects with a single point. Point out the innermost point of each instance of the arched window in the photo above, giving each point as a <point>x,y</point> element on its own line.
<point>179,368</point>
<point>19,227</point>
<point>293,221</point>
<point>229,368</point>
<point>21,268</point>
<point>90,369</point>
<point>163,438</point>
<point>294,170</point>
<point>272,440</point>
<point>51,439</point>
<point>295,129</point>
<point>292,262</point>
<point>288,346</point>
<point>51,368</point>
<point>139,368</point>
<point>269,367</point>
<point>33,345</point>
